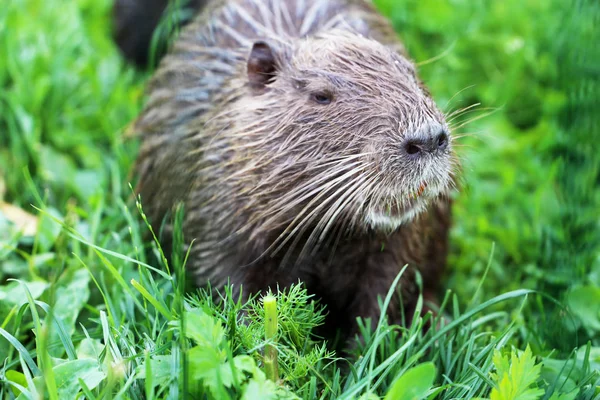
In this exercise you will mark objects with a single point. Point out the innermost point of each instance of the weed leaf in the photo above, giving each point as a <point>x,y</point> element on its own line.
<point>414,384</point>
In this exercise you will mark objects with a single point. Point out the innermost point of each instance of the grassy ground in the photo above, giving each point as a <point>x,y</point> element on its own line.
<point>84,310</point>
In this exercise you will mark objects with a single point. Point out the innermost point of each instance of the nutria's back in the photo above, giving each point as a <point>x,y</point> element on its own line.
<point>303,146</point>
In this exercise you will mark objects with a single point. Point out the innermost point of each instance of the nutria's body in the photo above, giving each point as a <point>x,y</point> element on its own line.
<point>303,146</point>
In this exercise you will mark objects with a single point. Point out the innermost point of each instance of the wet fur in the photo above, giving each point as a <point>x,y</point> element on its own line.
<point>278,188</point>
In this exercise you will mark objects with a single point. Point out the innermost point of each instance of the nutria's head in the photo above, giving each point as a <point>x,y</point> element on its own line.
<point>331,132</point>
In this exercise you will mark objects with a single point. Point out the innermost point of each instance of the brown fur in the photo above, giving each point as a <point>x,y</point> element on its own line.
<point>285,128</point>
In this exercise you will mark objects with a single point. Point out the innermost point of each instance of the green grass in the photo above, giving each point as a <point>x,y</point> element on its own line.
<point>86,310</point>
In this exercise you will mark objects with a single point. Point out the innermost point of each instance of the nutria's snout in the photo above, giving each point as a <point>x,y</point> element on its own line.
<point>417,169</point>
<point>426,158</point>
<point>432,138</point>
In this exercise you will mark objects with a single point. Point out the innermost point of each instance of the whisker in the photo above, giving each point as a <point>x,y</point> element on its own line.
<point>313,240</point>
<point>330,216</point>
<point>309,211</point>
<point>298,223</point>
<point>471,120</point>
<point>348,224</point>
<point>298,195</point>
<point>438,57</point>
<point>461,110</point>
<point>456,94</point>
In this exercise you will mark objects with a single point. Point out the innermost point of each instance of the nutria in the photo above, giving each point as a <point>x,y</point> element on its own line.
<point>304,147</point>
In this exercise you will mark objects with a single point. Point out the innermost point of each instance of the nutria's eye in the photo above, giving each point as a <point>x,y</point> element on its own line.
<point>322,97</point>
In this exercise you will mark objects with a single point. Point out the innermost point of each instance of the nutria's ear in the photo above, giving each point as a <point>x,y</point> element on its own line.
<point>262,65</point>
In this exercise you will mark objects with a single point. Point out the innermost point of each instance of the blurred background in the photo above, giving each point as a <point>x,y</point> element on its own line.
<point>527,214</point>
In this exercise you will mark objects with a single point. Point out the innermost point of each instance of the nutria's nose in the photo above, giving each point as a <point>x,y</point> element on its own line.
<point>428,143</point>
